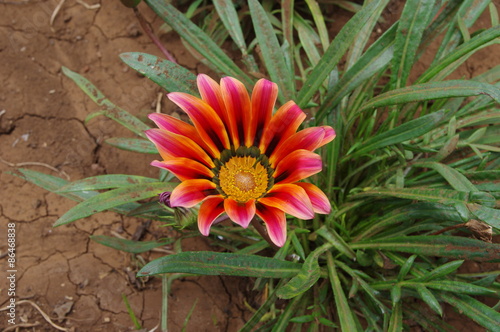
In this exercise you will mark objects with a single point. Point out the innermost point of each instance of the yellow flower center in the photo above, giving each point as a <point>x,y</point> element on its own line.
<point>243,178</point>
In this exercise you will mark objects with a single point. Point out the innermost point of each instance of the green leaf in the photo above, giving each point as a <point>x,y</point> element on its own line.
<point>111,110</point>
<point>427,296</point>
<point>229,17</point>
<point>396,321</point>
<point>132,144</point>
<point>487,214</point>
<point>135,247</point>
<point>433,90</point>
<point>372,61</point>
<point>442,271</point>
<point>216,263</point>
<point>198,39</point>
<point>345,314</point>
<point>456,179</point>
<point>168,75</point>
<point>105,182</point>
<point>320,22</point>
<point>306,278</point>
<point>464,49</point>
<point>472,308</point>
<point>113,198</point>
<point>409,130</point>
<point>453,247</point>
<point>337,241</point>
<point>271,52</point>
<point>334,53</point>
<point>413,21</point>
<point>459,287</point>
<point>405,268</point>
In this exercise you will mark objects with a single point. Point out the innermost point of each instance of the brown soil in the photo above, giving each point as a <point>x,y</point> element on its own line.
<point>42,121</point>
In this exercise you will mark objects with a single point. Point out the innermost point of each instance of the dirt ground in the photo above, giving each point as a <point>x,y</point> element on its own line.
<point>74,280</point>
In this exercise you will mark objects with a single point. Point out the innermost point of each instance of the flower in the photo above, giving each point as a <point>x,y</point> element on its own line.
<point>237,157</point>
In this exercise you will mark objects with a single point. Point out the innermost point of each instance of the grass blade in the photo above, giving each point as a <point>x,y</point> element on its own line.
<point>271,52</point>
<point>113,198</point>
<point>111,110</point>
<point>477,311</point>
<point>166,74</point>
<point>334,53</point>
<point>216,263</point>
<point>456,179</point>
<point>132,144</point>
<point>413,21</point>
<point>134,247</point>
<point>345,315</point>
<point>105,182</point>
<point>433,90</point>
<point>441,246</point>
<point>198,39</point>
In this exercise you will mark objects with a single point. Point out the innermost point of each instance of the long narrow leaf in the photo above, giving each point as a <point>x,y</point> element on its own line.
<point>113,198</point>
<point>132,144</point>
<point>168,75</point>
<point>111,110</point>
<point>216,263</point>
<point>198,39</point>
<point>413,21</point>
<point>135,247</point>
<point>456,179</point>
<point>441,246</point>
<point>433,90</point>
<point>105,182</point>
<point>334,53</point>
<point>271,52</point>
<point>412,129</point>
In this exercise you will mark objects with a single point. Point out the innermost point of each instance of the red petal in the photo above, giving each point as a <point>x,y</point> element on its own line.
<point>291,199</point>
<point>210,209</point>
<point>263,99</point>
<point>307,139</point>
<point>275,223</point>
<point>319,200</point>
<point>185,169</point>
<point>282,125</point>
<point>298,165</point>
<point>240,213</point>
<point>190,192</point>
<point>208,124</point>
<point>172,145</point>
<point>329,135</point>
<point>238,109</point>
<point>211,93</point>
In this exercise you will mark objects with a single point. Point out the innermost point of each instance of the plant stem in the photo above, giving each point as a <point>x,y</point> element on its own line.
<point>263,233</point>
<point>164,304</point>
<point>147,28</point>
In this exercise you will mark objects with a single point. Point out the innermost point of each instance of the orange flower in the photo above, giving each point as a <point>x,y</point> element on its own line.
<point>239,158</point>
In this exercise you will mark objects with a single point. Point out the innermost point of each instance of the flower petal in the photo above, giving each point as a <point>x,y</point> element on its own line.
<point>172,145</point>
<point>208,124</point>
<point>264,96</point>
<point>329,136</point>
<point>176,126</point>
<point>319,200</point>
<point>275,223</point>
<point>185,169</point>
<point>190,192</point>
<point>307,139</point>
<point>239,114</point>
<point>210,209</point>
<point>240,213</point>
<point>211,93</point>
<point>282,125</point>
<point>298,165</point>
<point>291,199</point>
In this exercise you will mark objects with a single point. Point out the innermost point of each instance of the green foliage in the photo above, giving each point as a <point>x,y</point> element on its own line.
<point>415,159</point>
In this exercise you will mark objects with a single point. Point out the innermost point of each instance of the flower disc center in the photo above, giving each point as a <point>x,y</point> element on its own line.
<point>243,178</point>
<point>244,181</point>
